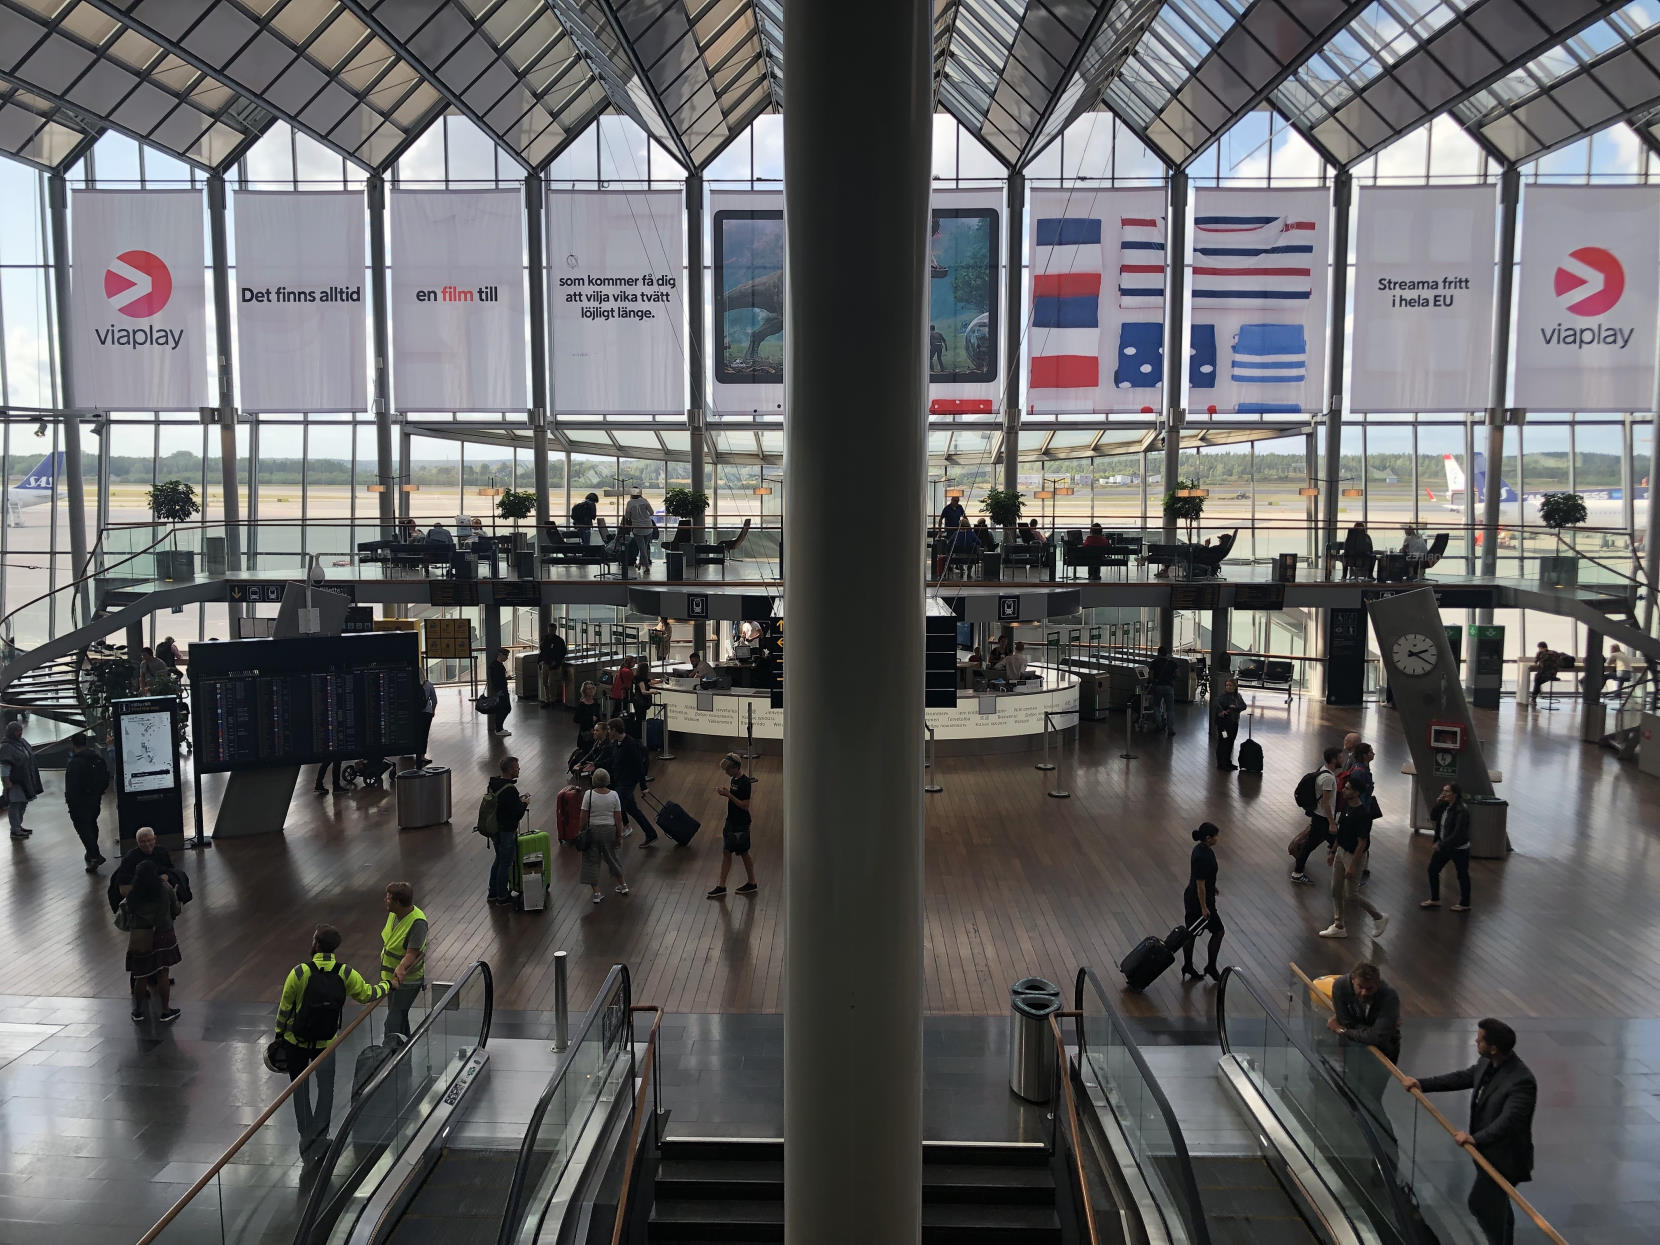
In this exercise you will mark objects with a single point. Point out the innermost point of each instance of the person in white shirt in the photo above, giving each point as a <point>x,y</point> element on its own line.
<point>1015,664</point>
<point>640,521</point>
<point>701,669</point>
<point>1618,666</point>
<point>1414,546</point>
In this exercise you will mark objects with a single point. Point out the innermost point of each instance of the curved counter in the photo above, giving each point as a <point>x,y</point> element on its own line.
<point>981,722</point>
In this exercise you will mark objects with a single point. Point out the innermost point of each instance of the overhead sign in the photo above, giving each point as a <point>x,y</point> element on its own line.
<point>1423,300</point>
<point>245,592</point>
<point>301,313</point>
<point>458,304</point>
<point>1586,294</point>
<point>615,303</point>
<point>138,300</point>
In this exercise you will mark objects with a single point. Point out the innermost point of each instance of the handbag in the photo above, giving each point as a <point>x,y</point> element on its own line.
<point>486,703</point>
<point>123,919</point>
<point>585,836</point>
<point>143,941</point>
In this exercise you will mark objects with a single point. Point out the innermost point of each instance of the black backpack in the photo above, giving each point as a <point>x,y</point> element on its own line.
<point>1307,793</point>
<point>322,1004</point>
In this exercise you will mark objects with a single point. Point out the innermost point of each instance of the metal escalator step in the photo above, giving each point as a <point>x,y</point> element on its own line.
<point>942,1182</point>
<point>967,1224</point>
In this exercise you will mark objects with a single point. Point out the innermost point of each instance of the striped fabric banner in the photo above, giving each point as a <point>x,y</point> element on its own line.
<point>1270,354</point>
<point>1252,261</point>
<point>1140,261</point>
<point>1066,303</point>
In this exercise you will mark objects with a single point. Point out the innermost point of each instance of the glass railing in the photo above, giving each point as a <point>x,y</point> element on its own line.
<point>596,1067</point>
<point>255,1190</point>
<point>1112,1061</point>
<point>1345,1151</point>
<point>390,1108</point>
<point>1436,1170</point>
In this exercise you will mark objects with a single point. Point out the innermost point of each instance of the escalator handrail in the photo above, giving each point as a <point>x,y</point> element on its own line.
<point>1399,1204</point>
<point>320,1191</point>
<point>646,1078</point>
<point>527,1148</point>
<point>1423,1101</point>
<point>1198,1229</point>
<point>248,1133</point>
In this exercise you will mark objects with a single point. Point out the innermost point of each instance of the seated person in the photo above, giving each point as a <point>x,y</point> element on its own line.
<point>438,534</point>
<point>121,881</point>
<point>475,528</point>
<point>983,533</point>
<point>964,543</point>
<point>409,533</point>
<point>1546,664</point>
<point>1414,546</point>
<point>1357,550</point>
<point>1031,535</point>
<point>1013,666</point>
<point>1097,539</point>
<point>976,658</point>
<point>701,669</point>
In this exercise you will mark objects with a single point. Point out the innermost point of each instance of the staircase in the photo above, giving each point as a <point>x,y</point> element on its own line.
<point>51,690</point>
<point>718,1191</point>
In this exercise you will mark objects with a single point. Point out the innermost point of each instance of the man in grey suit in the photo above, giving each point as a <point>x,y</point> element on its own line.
<point>1501,1123</point>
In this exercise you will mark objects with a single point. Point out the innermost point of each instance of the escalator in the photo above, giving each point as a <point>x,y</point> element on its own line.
<point>460,1201</point>
<point>1245,1204</point>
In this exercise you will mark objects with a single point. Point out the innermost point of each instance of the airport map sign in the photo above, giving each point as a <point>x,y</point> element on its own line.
<point>1423,298</point>
<point>138,302</point>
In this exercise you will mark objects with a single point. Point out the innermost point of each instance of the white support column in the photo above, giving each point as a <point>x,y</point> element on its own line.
<point>857,156</point>
<point>58,191</point>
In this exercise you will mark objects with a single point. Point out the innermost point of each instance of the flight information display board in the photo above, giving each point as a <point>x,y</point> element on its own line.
<point>257,703</point>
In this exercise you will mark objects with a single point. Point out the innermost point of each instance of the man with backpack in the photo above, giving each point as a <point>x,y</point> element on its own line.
<point>308,1017</point>
<point>499,814</point>
<point>1316,795</point>
<point>85,779</point>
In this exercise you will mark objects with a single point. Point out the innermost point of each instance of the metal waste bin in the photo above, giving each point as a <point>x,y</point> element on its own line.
<point>674,564</point>
<point>423,796</point>
<point>1032,1056</point>
<point>991,564</point>
<point>1489,827</point>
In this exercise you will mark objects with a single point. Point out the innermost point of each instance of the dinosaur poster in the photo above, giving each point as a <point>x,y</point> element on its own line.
<point>747,231</point>
<point>965,233</point>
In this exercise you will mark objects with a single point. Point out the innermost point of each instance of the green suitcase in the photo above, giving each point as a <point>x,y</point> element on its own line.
<point>530,870</point>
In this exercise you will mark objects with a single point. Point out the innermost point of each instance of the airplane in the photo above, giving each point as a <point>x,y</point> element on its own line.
<point>39,486</point>
<point>1605,506</point>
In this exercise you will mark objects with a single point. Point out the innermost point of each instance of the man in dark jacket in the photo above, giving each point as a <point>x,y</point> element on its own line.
<point>1367,1013</point>
<point>627,765</point>
<point>550,666</point>
<point>1162,675</point>
<point>495,685</point>
<point>583,515</point>
<point>1501,1123</point>
<point>1227,708</point>
<point>510,811</point>
<point>85,779</point>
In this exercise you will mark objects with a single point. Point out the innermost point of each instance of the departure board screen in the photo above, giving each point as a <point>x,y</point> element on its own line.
<point>297,701</point>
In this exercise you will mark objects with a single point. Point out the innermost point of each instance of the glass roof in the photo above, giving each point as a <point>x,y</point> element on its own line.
<point>39,132</point>
<point>589,22</point>
<point>75,54</point>
<point>1607,71</point>
<point>1403,61</point>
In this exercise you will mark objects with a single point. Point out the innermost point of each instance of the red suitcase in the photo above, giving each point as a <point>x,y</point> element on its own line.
<point>567,813</point>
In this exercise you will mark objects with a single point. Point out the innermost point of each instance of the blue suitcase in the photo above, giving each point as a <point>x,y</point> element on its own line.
<point>654,734</point>
<point>673,820</point>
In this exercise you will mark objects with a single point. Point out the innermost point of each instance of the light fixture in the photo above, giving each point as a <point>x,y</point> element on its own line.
<point>40,428</point>
<point>377,488</point>
<point>762,490</point>
<point>953,492</point>
<point>491,491</point>
<point>1193,492</point>
<point>1043,494</point>
<point>1308,490</point>
<point>1064,490</point>
<point>412,488</point>
<point>1354,492</point>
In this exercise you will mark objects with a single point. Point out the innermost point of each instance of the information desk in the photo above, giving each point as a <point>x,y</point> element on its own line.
<point>981,722</point>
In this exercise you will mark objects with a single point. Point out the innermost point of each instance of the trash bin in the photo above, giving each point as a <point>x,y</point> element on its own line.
<point>1489,828</point>
<point>991,564</point>
<point>1032,1056</point>
<point>524,563</point>
<point>423,796</point>
<point>674,564</point>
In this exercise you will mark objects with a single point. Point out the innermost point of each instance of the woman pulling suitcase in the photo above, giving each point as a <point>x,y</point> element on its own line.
<point>1200,903</point>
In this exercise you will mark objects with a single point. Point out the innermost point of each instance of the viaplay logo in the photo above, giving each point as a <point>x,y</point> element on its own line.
<point>138,284</point>
<point>1589,284</point>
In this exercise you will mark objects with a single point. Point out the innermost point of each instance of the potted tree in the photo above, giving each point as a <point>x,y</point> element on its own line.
<point>1003,507</point>
<point>682,503</point>
<point>513,505</point>
<point>174,501</point>
<point>1185,504</point>
<point>1557,511</point>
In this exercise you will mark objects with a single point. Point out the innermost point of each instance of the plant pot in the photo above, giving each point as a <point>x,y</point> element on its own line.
<point>175,564</point>
<point>1559,571</point>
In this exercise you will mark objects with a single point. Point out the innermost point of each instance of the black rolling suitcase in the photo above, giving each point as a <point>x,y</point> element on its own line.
<point>1144,965</point>
<point>1250,752</point>
<point>672,820</point>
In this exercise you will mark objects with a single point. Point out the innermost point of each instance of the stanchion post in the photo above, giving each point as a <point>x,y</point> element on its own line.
<point>201,839</point>
<point>1129,727</point>
<point>561,1013</point>
<point>932,786</point>
<point>1060,792</point>
<point>1044,764</point>
<point>663,753</point>
<point>749,731</point>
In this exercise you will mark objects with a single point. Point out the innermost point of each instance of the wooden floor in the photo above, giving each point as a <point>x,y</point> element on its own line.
<point>1017,884</point>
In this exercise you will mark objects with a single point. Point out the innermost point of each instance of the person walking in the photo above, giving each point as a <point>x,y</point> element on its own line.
<point>507,806</point>
<point>1452,843</point>
<point>323,770</point>
<point>1199,904</point>
<point>601,836</point>
<point>309,1015</point>
<point>147,914</point>
<point>550,667</point>
<point>1229,705</point>
<point>734,835</point>
<point>19,777</point>
<point>627,763</point>
<point>1162,675</point>
<point>1321,818</point>
<point>495,686</point>
<point>1347,858</point>
<point>1501,1122</point>
<point>423,719</point>
<point>641,523</point>
<point>85,779</point>
<point>403,955</point>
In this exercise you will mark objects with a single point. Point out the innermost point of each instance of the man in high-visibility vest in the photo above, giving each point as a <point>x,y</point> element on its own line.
<point>403,958</point>
<point>308,1018</point>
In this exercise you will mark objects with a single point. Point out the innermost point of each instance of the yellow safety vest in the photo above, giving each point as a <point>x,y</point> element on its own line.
<point>392,948</point>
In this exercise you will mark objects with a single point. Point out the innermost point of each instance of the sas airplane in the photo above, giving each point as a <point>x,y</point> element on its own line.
<point>1606,506</point>
<point>40,485</point>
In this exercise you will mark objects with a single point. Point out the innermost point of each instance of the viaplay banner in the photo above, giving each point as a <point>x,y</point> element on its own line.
<point>458,303</point>
<point>1423,301</point>
<point>301,309</point>
<point>615,301</point>
<point>138,300</point>
<point>1585,303</point>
